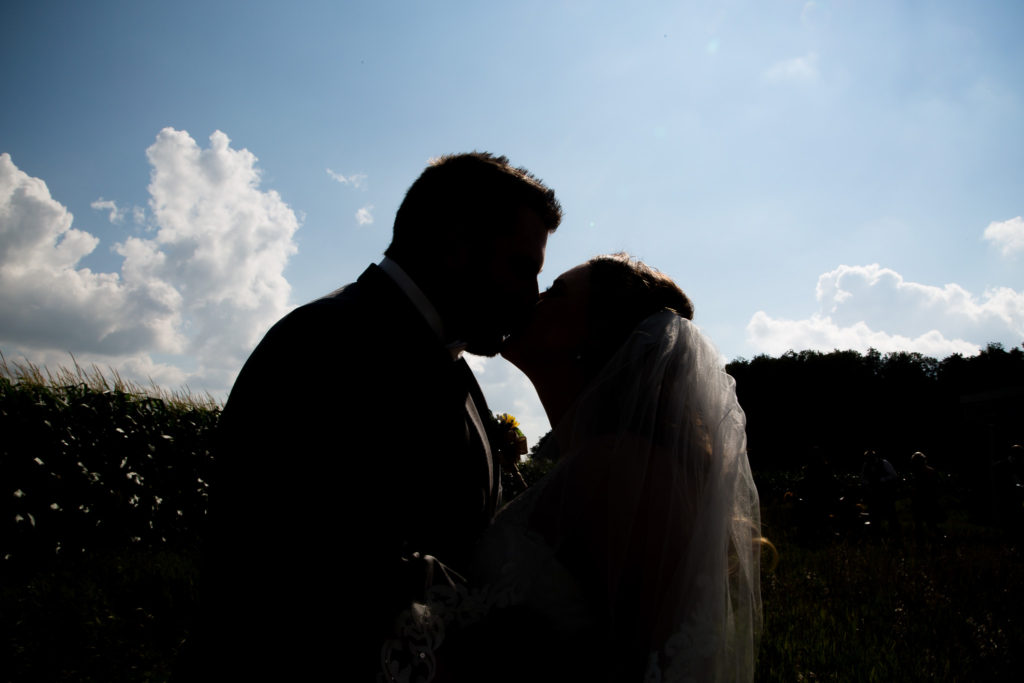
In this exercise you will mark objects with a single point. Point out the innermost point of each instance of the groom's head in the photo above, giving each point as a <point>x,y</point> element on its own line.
<point>472,231</point>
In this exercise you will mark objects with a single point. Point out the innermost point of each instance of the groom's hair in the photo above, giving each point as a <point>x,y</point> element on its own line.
<point>471,197</point>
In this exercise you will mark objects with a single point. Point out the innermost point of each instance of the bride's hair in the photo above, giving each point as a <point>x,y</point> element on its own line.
<point>624,291</point>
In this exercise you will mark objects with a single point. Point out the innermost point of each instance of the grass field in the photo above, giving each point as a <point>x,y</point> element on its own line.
<point>860,609</point>
<point>875,608</point>
<point>118,475</point>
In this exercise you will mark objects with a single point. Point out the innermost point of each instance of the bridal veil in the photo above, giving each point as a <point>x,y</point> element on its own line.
<point>653,508</point>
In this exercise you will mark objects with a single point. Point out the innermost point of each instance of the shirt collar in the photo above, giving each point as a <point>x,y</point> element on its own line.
<point>421,303</point>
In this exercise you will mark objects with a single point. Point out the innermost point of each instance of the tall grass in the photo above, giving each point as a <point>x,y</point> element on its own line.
<point>102,506</point>
<point>95,379</point>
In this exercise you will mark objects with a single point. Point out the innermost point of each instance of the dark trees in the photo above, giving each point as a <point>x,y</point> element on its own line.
<point>845,402</point>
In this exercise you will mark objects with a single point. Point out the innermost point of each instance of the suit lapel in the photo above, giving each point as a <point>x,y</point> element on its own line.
<point>476,408</point>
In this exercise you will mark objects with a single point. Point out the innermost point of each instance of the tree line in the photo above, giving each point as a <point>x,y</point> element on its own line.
<point>960,411</point>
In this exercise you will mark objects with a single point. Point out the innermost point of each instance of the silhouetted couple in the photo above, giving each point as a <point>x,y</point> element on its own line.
<point>357,532</point>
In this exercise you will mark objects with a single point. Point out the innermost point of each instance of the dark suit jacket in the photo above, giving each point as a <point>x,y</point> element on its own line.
<point>346,446</point>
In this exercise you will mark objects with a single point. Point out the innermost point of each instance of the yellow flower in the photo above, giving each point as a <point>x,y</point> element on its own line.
<point>508,420</point>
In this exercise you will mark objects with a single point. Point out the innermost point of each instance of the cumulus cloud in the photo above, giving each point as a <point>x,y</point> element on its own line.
<point>198,293</point>
<point>363,215</point>
<point>355,180</point>
<point>222,242</point>
<point>1007,235</point>
<point>775,336</point>
<point>47,302</point>
<point>798,69</point>
<point>863,307</point>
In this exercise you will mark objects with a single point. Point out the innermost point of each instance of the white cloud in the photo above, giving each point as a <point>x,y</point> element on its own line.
<point>355,180</point>
<point>201,291</point>
<point>798,69</point>
<point>1007,235</point>
<point>116,215</point>
<point>865,307</point>
<point>807,13</point>
<point>776,336</point>
<point>46,301</point>
<point>363,215</point>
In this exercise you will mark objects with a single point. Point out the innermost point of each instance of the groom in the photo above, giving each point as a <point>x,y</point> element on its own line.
<point>354,441</point>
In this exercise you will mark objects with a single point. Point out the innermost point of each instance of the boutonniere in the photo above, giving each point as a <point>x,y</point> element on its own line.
<point>510,442</point>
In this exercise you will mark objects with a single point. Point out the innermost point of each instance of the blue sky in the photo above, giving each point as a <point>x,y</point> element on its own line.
<point>176,176</point>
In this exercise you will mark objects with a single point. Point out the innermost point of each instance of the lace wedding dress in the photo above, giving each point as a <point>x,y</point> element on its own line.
<point>637,557</point>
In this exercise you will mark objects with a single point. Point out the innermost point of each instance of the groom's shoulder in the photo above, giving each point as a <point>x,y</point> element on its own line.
<point>344,307</point>
<point>361,321</point>
<point>370,291</point>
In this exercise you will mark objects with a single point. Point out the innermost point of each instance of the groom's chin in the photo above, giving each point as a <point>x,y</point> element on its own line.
<point>512,349</point>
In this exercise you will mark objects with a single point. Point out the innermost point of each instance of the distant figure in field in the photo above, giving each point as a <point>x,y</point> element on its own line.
<point>880,483</point>
<point>925,497</point>
<point>354,449</point>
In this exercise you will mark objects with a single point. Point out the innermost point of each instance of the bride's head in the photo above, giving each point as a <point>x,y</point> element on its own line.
<point>624,292</point>
<point>587,314</point>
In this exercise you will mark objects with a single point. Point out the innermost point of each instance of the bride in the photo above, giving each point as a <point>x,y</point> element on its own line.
<point>637,557</point>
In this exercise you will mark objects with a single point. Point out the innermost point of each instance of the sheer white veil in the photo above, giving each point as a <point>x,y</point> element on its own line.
<point>653,501</point>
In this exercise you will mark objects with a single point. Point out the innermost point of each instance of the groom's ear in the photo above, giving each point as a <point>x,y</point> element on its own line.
<point>462,251</point>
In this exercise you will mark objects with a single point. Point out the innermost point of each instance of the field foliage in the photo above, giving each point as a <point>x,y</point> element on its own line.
<point>868,607</point>
<point>104,499</point>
